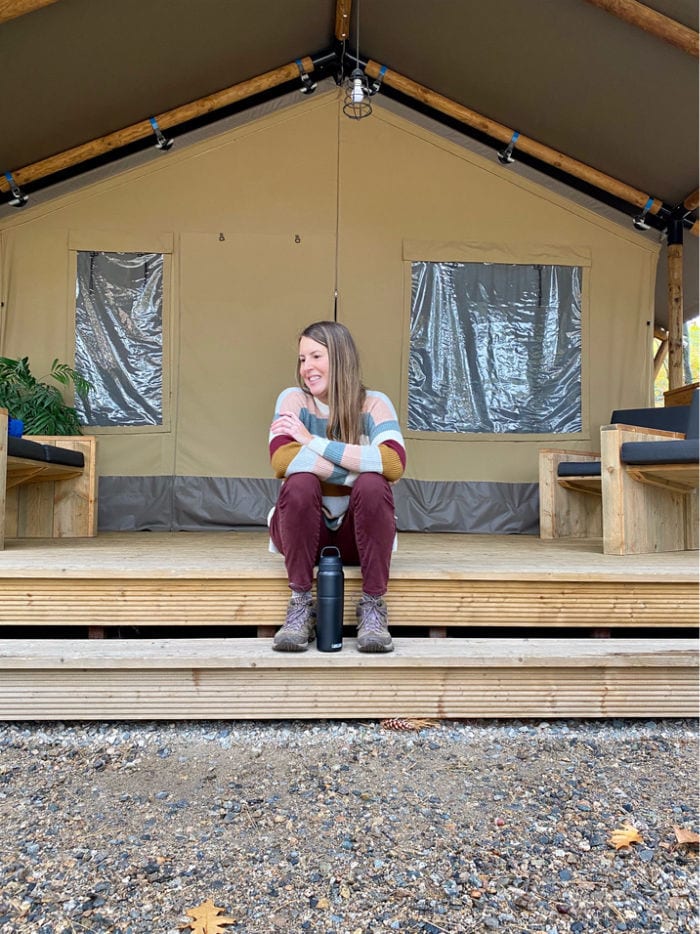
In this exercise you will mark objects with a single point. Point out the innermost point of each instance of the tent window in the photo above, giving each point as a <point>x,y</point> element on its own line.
<point>495,348</point>
<point>119,337</point>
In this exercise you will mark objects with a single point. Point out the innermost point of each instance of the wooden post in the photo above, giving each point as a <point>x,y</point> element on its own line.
<point>675,304</point>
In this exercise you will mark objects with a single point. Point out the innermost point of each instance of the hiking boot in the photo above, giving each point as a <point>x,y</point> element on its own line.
<point>372,632</point>
<point>300,626</point>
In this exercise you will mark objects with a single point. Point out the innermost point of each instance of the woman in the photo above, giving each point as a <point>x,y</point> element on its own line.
<point>338,447</point>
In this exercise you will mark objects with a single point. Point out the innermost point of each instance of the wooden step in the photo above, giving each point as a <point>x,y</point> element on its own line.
<point>437,581</point>
<point>240,679</point>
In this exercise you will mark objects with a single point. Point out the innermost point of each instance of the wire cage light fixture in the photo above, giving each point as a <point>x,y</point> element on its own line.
<point>357,90</point>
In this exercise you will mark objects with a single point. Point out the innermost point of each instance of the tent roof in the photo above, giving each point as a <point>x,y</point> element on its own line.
<point>565,73</point>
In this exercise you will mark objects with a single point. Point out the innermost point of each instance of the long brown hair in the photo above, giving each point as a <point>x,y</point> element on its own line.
<point>346,393</point>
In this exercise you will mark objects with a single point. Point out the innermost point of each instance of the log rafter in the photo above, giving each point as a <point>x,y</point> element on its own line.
<point>652,22</point>
<point>143,129</point>
<point>11,9</point>
<point>691,201</point>
<point>505,134</point>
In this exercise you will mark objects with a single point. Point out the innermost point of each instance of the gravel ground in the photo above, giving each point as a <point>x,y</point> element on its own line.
<point>348,827</point>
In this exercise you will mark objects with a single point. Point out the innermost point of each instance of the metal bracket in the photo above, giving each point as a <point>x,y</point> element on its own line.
<point>19,199</point>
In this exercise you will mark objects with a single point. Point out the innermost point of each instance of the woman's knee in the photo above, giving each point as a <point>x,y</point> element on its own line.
<point>372,488</point>
<point>300,490</point>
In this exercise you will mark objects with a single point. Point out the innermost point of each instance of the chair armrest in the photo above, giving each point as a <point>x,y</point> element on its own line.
<point>562,513</point>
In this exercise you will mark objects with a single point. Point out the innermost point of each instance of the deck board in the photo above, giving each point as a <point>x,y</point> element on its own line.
<point>443,678</point>
<point>231,555</point>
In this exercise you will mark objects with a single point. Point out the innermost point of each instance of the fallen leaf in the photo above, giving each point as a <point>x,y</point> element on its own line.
<point>207,919</point>
<point>625,836</point>
<point>413,724</point>
<point>688,837</point>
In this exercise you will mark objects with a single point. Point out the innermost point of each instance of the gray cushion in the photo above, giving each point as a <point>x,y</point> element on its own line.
<point>673,418</point>
<point>49,453</point>
<point>659,452</point>
<point>579,469</point>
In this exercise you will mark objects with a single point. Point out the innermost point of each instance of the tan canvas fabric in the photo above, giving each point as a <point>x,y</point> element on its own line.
<point>264,222</point>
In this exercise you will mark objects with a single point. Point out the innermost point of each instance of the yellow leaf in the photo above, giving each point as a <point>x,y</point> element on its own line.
<point>625,836</point>
<point>686,836</point>
<point>411,724</point>
<point>207,919</point>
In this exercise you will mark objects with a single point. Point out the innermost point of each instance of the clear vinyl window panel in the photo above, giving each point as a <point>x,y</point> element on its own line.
<point>495,348</point>
<point>119,337</point>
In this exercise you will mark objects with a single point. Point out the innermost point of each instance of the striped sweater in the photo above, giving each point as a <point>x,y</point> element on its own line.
<point>381,448</point>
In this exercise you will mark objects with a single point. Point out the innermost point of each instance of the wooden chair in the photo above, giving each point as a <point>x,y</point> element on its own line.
<point>570,481</point>
<point>650,488</point>
<point>48,487</point>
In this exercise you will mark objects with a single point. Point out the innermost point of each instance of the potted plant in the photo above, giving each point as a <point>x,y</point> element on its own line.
<point>38,404</point>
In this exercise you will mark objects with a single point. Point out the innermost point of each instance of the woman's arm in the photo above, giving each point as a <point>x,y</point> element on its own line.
<point>384,453</point>
<point>289,447</point>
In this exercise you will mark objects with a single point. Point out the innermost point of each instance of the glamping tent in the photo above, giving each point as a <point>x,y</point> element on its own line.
<point>497,232</point>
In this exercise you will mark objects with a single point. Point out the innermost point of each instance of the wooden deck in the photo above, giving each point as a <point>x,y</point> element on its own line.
<point>437,581</point>
<point>518,614</point>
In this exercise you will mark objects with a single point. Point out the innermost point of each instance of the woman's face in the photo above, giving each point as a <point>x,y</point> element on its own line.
<point>313,368</point>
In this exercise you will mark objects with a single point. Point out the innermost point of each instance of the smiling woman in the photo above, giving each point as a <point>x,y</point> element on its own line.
<point>338,447</point>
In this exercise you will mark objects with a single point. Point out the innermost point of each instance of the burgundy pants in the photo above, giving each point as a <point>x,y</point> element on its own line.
<point>365,536</point>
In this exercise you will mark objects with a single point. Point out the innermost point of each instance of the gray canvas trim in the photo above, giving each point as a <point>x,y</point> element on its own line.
<point>201,504</point>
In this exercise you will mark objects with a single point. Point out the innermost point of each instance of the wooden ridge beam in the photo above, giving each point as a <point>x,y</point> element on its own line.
<point>143,129</point>
<point>11,9</point>
<point>342,19</point>
<point>524,144</point>
<point>656,24</point>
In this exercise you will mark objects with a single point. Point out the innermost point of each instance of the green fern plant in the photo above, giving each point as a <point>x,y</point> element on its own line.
<point>37,403</point>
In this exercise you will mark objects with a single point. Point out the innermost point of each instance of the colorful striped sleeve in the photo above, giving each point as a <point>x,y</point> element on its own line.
<point>384,452</point>
<point>288,457</point>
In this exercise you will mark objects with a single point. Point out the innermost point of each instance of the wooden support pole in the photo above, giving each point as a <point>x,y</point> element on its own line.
<point>502,133</point>
<point>656,24</point>
<point>166,120</point>
<point>675,315</point>
<point>10,9</point>
<point>342,19</point>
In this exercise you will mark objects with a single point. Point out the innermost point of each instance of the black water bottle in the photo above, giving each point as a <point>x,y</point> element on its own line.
<point>330,585</point>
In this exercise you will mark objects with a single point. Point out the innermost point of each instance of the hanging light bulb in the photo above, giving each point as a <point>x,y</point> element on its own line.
<point>357,93</point>
<point>357,90</point>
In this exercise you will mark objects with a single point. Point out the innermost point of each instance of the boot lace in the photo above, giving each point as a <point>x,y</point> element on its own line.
<point>373,617</point>
<point>299,613</point>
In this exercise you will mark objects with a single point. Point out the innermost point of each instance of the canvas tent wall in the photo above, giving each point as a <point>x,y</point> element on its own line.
<point>280,221</point>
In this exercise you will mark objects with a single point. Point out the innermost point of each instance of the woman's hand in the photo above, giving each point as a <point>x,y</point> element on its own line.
<point>290,424</point>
